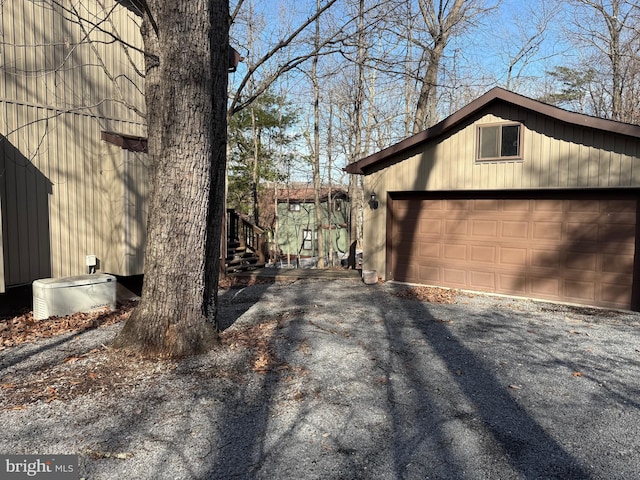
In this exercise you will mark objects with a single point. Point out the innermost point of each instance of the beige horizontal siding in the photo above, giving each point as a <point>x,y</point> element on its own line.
<point>57,93</point>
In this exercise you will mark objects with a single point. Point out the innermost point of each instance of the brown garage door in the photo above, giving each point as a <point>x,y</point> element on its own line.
<point>576,249</point>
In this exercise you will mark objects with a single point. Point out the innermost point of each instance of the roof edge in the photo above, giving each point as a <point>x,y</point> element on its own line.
<point>366,164</point>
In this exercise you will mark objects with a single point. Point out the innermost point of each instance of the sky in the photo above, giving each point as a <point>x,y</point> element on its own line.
<point>481,54</point>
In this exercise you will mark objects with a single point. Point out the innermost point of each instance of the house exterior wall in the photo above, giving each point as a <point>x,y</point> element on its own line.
<point>59,179</point>
<point>124,185</point>
<point>555,155</point>
<point>291,225</point>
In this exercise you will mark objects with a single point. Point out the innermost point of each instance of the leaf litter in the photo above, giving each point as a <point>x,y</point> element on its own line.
<point>104,369</point>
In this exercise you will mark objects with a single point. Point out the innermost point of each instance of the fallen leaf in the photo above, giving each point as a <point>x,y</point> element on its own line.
<point>429,294</point>
<point>8,386</point>
<point>123,455</point>
<point>577,374</point>
<point>443,321</point>
<point>92,375</point>
<point>72,359</point>
<point>261,364</point>
<point>97,454</point>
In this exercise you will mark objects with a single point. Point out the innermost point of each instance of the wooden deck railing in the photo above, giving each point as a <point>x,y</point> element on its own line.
<point>253,238</point>
<point>249,236</point>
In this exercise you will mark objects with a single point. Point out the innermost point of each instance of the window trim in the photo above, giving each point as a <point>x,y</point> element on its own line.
<point>307,236</point>
<point>499,158</point>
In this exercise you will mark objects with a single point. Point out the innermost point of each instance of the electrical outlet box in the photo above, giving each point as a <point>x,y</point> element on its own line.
<point>91,260</point>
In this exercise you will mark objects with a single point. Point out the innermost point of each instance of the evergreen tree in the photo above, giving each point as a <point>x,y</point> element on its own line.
<point>261,141</point>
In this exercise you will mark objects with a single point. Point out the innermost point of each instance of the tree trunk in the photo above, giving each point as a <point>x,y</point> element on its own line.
<point>355,192</point>
<point>317,182</point>
<point>426,107</point>
<point>186,100</point>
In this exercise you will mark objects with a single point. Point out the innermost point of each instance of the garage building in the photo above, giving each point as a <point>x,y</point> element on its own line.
<point>512,196</point>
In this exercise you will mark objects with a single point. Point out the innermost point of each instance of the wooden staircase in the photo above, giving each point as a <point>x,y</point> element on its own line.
<point>246,244</point>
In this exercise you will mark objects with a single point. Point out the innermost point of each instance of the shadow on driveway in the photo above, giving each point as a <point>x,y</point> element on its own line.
<point>390,390</point>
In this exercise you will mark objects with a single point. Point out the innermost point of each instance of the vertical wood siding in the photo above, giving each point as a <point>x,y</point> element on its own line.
<point>555,155</point>
<point>57,93</point>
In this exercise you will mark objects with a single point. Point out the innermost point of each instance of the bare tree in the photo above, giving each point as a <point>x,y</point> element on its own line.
<point>317,180</point>
<point>442,20</point>
<point>607,34</point>
<point>268,67</point>
<point>523,40</point>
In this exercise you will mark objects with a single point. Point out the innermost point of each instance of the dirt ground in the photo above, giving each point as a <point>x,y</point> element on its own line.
<point>336,379</point>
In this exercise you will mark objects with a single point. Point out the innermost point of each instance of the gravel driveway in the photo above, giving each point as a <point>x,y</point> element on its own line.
<point>339,380</point>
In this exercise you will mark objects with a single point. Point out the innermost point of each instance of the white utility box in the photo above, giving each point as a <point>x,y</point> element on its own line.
<point>65,296</point>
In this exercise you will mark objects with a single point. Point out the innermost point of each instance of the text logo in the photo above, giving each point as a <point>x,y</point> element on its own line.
<point>49,467</point>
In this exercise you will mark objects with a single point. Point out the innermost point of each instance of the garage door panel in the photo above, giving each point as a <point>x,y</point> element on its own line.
<point>587,262</point>
<point>430,205</point>
<point>429,250</point>
<point>485,228</point>
<point>515,205</point>
<point>582,291</point>
<point>456,227</point>
<point>614,294</point>
<point>583,230</point>
<point>547,231</point>
<point>544,286</point>
<point>482,280</point>
<point>484,254</point>
<point>490,204</point>
<point>457,205</point>
<point>550,206</point>
<point>615,233</point>
<point>577,249</point>
<point>515,229</point>
<point>513,256</point>
<point>431,227</point>
<point>611,218</point>
<point>455,252</point>
<point>430,274</point>
<point>618,206</point>
<point>456,277</point>
<point>545,258</point>
<point>512,284</point>
<point>620,264</point>
<point>584,206</point>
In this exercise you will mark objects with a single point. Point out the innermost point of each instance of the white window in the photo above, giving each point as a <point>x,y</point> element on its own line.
<point>306,240</point>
